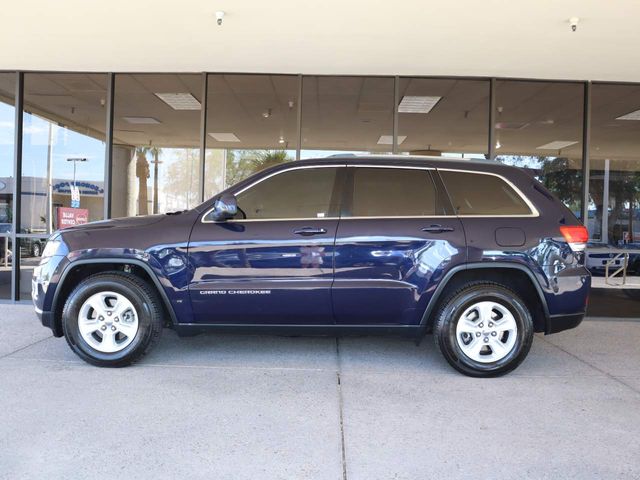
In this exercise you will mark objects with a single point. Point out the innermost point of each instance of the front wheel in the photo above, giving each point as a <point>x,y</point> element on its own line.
<point>484,330</point>
<point>112,319</point>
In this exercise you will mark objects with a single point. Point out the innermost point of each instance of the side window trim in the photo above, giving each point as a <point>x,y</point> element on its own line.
<point>338,168</point>
<point>533,211</point>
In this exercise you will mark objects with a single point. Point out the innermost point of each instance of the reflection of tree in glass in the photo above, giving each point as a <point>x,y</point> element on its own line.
<point>142,172</point>
<point>624,187</point>
<point>557,174</point>
<point>563,180</point>
<point>242,163</point>
<point>181,187</point>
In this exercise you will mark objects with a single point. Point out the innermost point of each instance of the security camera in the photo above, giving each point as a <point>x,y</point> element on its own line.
<point>219,17</point>
<point>573,21</point>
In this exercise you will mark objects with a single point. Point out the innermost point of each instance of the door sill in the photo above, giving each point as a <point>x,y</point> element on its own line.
<point>189,329</point>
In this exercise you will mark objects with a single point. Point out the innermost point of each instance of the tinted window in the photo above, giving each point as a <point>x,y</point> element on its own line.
<point>393,192</point>
<point>301,193</point>
<point>479,194</point>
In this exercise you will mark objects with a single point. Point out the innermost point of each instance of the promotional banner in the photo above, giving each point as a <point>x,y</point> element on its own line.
<point>70,217</point>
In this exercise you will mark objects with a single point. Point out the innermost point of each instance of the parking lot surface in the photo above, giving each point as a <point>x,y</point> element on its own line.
<point>260,407</point>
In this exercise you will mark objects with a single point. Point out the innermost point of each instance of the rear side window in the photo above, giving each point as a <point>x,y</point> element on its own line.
<point>393,192</point>
<point>299,193</point>
<point>481,194</point>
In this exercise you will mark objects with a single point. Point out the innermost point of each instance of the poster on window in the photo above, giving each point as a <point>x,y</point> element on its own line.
<point>70,217</point>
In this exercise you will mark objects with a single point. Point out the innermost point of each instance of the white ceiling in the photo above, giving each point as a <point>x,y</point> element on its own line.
<point>517,38</point>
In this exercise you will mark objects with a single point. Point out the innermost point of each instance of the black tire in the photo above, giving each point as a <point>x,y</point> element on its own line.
<point>146,302</point>
<point>454,306</point>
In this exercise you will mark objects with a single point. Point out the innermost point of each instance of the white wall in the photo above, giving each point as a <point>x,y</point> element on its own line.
<point>518,38</point>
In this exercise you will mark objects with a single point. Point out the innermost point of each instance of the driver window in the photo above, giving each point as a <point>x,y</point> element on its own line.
<point>299,193</point>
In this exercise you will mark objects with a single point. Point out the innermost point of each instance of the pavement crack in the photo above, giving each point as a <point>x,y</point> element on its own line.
<point>341,410</point>
<point>24,348</point>
<point>604,372</point>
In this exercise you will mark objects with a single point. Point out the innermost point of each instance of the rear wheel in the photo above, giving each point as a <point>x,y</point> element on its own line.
<point>484,330</point>
<point>112,319</point>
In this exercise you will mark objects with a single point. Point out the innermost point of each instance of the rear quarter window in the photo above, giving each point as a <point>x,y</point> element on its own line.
<point>483,194</point>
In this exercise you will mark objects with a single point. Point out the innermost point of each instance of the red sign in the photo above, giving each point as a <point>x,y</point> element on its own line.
<point>70,217</point>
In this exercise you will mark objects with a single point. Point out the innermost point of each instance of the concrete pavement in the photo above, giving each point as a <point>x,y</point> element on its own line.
<point>259,407</point>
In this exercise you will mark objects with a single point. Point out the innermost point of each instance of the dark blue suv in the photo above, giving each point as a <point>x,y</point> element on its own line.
<point>476,252</point>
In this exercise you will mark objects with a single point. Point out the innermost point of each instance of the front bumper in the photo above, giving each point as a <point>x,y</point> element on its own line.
<point>47,320</point>
<point>43,285</point>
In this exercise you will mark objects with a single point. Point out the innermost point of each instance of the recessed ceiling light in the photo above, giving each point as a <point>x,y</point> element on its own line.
<point>142,120</point>
<point>179,101</point>
<point>417,104</point>
<point>630,116</point>
<point>388,139</point>
<point>224,137</point>
<point>511,125</point>
<point>557,145</point>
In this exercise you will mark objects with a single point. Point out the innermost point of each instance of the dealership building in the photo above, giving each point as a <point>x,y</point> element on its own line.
<point>118,115</point>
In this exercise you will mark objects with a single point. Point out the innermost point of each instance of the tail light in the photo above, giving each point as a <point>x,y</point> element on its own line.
<point>576,236</point>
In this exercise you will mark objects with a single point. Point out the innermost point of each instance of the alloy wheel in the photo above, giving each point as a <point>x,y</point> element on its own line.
<point>108,322</point>
<point>486,332</point>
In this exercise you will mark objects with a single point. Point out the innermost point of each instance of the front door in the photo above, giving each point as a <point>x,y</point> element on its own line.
<point>273,264</point>
<point>396,240</point>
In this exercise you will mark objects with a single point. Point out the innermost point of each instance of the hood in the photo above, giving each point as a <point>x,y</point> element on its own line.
<point>117,223</point>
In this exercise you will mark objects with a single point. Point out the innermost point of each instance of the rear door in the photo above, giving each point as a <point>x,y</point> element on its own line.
<point>396,239</point>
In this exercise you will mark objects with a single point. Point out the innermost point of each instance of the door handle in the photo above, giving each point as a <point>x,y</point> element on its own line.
<point>308,231</point>
<point>437,229</point>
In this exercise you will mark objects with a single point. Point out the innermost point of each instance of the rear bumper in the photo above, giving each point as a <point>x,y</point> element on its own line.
<point>558,323</point>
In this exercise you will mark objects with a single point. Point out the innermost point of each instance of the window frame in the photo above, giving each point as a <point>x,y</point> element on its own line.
<point>347,192</point>
<point>339,178</point>
<point>533,211</point>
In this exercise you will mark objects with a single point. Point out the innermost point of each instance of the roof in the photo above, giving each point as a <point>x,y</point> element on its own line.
<point>406,160</point>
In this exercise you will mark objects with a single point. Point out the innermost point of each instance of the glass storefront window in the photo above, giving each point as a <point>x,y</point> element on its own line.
<point>7,140</point>
<point>251,125</point>
<point>346,115</point>
<point>63,151</point>
<point>539,128</point>
<point>156,155</point>
<point>446,117</point>
<point>63,148</point>
<point>614,179</point>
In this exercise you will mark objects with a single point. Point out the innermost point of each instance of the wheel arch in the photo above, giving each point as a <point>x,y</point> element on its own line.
<point>76,271</point>
<point>514,276</point>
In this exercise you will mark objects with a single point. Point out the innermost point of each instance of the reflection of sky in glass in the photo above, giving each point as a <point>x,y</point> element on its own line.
<point>307,154</point>
<point>66,144</point>
<point>7,132</point>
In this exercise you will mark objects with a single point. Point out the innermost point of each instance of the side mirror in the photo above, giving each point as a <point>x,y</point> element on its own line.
<point>225,207</point>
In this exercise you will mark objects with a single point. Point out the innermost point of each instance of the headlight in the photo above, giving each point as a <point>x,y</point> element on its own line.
<point>55,246</point>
